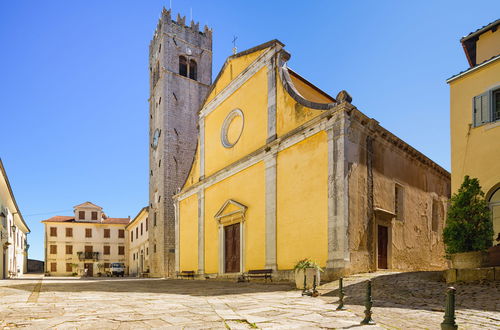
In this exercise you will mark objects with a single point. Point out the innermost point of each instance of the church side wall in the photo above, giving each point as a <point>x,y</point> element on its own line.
<point>375,168</point>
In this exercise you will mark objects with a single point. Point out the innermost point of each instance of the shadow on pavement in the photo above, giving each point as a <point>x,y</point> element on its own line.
<point>159,286</point>
<point>420,290</point>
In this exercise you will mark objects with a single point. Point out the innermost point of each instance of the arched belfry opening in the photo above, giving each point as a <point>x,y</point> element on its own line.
<point>193,69</point>
<point>183,68</point>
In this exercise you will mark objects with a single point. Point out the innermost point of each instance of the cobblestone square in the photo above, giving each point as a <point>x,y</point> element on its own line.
<point>401,301</point>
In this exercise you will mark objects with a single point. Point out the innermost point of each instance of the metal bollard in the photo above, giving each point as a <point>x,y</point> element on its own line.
<point>449,313</point>
<point>341,307</point>
<point>368,305</point>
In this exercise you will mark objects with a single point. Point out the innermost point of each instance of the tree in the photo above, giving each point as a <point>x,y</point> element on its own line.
<point>468,224</point>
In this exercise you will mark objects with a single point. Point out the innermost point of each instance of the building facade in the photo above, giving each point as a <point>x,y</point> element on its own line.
<point>284,172</point>
<point>138,244</point>
<point>180,65</point>
<point>13,232</point>
<point>475,116</point>
<point>85,243</point>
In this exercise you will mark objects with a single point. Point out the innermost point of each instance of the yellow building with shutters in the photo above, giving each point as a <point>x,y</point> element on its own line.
<point>283,171</point>
<point>475,116</point>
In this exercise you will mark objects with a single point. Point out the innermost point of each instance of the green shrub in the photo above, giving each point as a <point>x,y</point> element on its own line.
<point>306,263</point>
<point>468,223</point>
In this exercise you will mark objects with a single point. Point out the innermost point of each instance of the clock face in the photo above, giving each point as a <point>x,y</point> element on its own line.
<point>189,51</point>
<point>156,138</point>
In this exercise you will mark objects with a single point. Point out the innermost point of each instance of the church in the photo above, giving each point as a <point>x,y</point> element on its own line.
<point>266,169</point>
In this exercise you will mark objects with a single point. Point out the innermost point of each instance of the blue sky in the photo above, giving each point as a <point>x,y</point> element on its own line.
<point>74,82</point>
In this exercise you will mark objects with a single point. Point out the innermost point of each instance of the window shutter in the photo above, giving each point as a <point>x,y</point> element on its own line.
<point>485,108</point>
<point>481,109</point>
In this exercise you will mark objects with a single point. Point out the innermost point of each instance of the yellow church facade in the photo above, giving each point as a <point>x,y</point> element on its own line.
<point>475,116</point>
<point>284,172</point>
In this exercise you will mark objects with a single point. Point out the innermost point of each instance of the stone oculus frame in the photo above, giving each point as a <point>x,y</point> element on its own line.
<point>230,218</point>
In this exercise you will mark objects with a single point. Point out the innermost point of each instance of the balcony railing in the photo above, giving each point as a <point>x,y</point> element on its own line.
<point>88,255</point>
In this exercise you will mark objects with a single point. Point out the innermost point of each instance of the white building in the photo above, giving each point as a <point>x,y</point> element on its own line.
<point>88,240</point>
<point>138,244</point>
<point>13,232</point>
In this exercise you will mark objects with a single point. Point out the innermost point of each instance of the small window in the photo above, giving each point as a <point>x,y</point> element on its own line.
<point>121,250</point>
<point>69,232</point>
<point>496,105</point>
<point>107,233</point>
<point>147,251</point>
<point>94,215</point>
<point>69,267</point>
<point>154,219</point>
<point>133,256</point>
<point>436,214</point>
<point>69,249</point>
<point>486,107</point>
<point>154,248</point>
<point>53,266</point>
<point>106,250</point>
<point>183,66</point>
<point>399,202</point>
<point>53,249</point>
<point>89,249</point>
<point>121,233</point>
<point>136,232</point>
<point>147,223</point>
<point>88,232</point>
<point>131,235</point>
<point>141,228</point>
<point>193,69</point>
<point>106,265</point>
<point>81,215</point>
<point>53,231</point>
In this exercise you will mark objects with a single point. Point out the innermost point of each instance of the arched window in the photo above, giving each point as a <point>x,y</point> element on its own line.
<point>193,70</point>
<point>183,69</point>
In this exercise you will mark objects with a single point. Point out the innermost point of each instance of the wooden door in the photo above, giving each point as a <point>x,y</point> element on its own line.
<point>90,269</point>
<point>382,242</point>
<point>232,248</point>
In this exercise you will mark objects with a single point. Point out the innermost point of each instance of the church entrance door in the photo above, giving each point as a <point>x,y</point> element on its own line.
<point>382,240</point>
<point>232,248</point>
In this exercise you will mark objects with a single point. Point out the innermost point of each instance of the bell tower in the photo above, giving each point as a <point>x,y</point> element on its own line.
<point>180,67</point>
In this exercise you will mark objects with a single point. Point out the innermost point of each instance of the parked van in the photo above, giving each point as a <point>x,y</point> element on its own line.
<point>117,268</point>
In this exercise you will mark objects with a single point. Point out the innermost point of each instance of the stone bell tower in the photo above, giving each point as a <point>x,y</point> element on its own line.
<point>180,67</point>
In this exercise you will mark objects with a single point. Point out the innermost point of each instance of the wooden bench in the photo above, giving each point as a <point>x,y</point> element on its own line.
<point>259,273</point>
<point>186,273</point>
<point>145,273</point>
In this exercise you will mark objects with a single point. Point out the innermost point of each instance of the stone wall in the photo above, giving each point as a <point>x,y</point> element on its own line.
<point>174,104</point>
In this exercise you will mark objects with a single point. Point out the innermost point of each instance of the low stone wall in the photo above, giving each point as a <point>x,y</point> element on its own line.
<point>472,274</point>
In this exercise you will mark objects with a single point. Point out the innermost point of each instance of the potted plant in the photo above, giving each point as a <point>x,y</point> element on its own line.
<point>468,232</point>
<point>100,267</point>
<point>307,272</point>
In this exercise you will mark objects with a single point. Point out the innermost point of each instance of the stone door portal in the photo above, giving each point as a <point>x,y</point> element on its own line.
<point>232,248</point>
<point>382,240</point>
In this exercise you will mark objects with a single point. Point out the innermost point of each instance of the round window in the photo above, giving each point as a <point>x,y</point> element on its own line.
<point>232,127</point>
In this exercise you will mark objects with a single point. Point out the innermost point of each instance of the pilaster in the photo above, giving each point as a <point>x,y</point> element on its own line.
<point>270,163</point>
<point>201,231</point>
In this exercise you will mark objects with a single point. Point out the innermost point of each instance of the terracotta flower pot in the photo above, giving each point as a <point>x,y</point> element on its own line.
<point>309,273</point>
<point>474,259</point>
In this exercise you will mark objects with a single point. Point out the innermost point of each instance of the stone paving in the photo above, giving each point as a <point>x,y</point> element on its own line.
<point>401,301</point>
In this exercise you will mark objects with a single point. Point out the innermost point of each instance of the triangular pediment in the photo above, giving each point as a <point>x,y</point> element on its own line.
<point>230,208</point>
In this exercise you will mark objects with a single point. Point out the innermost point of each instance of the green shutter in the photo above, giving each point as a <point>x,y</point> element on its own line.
<point>477,111</point>
<point>485,108</point>
<point>481,113</point>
